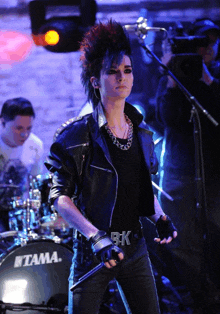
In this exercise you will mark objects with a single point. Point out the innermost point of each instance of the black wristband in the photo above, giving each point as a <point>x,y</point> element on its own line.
<point>165,228</point>
<point>100,234</point>
<point>104,248</point>
<point>100,241</point>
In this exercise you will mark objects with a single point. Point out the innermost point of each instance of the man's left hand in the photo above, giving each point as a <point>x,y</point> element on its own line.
<point>165,229</point>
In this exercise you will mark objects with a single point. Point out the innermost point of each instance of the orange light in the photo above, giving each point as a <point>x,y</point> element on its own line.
<point>51,37</point>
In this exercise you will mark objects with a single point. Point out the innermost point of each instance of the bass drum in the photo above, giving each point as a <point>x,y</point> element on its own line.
<point>34,277</point>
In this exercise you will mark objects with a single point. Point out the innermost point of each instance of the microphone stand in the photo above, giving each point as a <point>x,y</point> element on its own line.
<point>201,205</point>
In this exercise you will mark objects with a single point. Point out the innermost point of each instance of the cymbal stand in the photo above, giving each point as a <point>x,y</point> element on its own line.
<point>27,217</point>
<point>32,202</point>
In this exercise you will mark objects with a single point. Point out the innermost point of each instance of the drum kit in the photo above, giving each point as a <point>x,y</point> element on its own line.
<point>37,254</point>
<point>36,251</point>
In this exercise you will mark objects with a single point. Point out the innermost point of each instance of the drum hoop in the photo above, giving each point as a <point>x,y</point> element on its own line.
<point>13,247</point>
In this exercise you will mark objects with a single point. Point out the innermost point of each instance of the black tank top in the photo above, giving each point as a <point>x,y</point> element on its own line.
<point>132,186</point>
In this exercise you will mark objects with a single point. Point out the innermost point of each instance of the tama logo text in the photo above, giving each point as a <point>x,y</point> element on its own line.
<point>37,259</point>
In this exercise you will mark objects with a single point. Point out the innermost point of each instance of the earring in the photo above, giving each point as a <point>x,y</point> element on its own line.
<point>95,93</point>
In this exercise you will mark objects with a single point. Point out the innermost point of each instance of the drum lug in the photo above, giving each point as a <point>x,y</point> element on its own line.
<point>56,239</point>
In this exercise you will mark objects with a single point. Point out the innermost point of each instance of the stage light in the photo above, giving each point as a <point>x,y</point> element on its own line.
<point>51,37</point>
<point>66,32</point>
<point>60,33</point>
<point>14,47</point>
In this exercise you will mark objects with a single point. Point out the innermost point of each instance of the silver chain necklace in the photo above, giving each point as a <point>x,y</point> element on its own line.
<point>125,132</point>
<point>129,139</point>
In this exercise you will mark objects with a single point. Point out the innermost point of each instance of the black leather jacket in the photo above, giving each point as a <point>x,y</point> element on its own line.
<point>82,168</point>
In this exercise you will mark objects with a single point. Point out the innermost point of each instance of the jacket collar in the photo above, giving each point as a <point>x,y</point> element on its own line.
<point>135,116</point>
<point>98,118</point>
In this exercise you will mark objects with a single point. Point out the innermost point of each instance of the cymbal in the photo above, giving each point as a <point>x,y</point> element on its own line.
<point>6,186</point>
<point>7,234</point>
<point>53,222</point>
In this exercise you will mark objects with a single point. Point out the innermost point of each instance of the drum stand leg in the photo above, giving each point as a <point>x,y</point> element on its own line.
<point>2,310</point>
<point>27,218</point>
<point>29,234</point>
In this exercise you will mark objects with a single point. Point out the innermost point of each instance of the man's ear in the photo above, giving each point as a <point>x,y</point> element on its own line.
<point>94,81</point>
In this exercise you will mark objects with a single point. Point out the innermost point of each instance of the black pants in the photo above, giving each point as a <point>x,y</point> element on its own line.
<point>134,274</point>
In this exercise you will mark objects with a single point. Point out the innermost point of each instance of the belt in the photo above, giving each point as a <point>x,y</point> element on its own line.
<point>125,237</point>
<point>119,238</point>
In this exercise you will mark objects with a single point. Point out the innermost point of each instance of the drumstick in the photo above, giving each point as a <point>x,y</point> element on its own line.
<point>87,275</point>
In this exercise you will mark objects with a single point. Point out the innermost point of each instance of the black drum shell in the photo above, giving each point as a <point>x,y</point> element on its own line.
<point>44,267</point>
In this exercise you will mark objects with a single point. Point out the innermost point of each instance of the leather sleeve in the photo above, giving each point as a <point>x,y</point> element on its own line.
<point>64,174</point>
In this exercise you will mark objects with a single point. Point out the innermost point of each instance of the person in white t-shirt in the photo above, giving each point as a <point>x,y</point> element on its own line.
<point>20,153</point>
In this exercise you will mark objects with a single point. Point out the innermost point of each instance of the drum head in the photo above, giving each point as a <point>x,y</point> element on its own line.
<point>36,274</point>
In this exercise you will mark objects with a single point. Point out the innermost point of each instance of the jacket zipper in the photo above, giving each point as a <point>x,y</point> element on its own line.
<point>107,170</point>
<point>81,169</point>
<point>84,145</point>
<point>83,156</point>
<point>115,193</point>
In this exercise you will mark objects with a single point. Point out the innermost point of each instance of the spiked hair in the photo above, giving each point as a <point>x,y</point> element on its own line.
<point>102,45</point>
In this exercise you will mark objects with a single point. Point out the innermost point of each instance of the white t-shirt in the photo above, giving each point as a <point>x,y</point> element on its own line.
<point>17,163</point>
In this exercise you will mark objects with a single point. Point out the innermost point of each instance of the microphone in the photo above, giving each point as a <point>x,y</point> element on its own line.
<point>141,27</point>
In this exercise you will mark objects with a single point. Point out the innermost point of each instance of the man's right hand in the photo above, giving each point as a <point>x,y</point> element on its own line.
<point>105,249</point>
